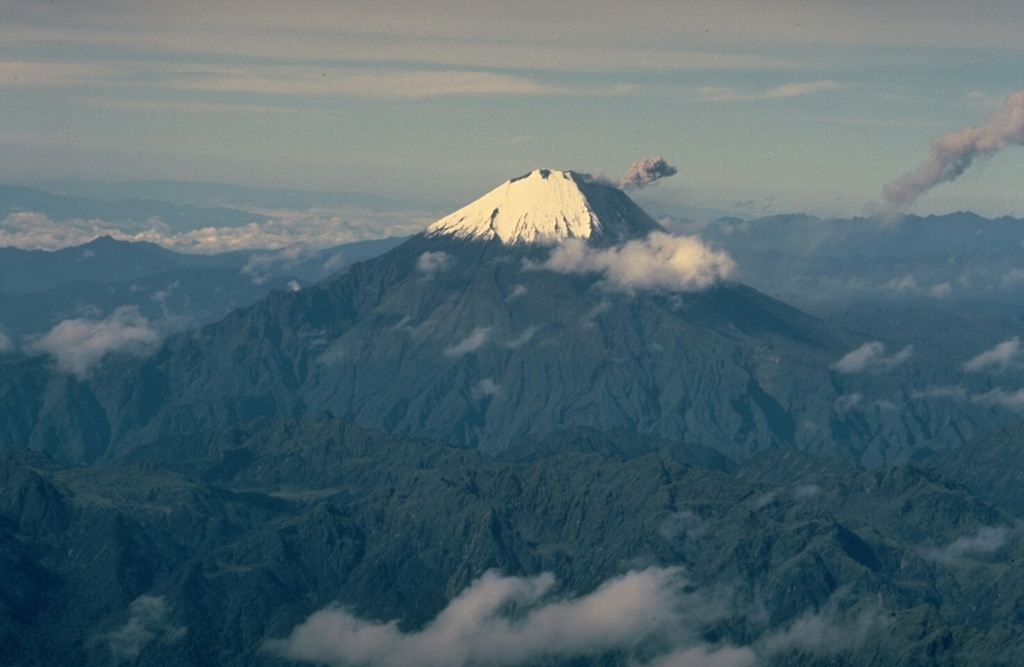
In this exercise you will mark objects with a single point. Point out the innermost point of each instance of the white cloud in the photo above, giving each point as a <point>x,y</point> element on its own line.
<point>659,262</point>
<point>1013,277</point>
<point>429,263</point>
<point>471,343</point>
<point>871,357</point>
<point>987,540</point>
<point>523,338</point>
<point>517,291</point>
<point>999,357</point>
<point>1000,397</point>
<point>847,402</point>
<point>6,344</point>
<point>806,491</point>
<point>485,388</point>
<point>147,622</point>
<point>653,617</point>
<point>79,344</point>
<point>682,525</point>
<point>517,621</point>
<point>952,392</point>
<point>826,633</point>
<point>906,283</point>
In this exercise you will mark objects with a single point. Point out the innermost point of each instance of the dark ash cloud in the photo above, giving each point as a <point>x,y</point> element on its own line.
<point>952,154</point>
<point>645,172</point>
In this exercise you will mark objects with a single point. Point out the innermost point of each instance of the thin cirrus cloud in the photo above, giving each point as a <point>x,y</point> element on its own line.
<point>368,82</point>
<point>291,80</point>
<point>311,29</point>
<point>724,94</point>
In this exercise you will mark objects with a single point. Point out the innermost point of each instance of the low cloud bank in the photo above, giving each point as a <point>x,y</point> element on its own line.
<point>871,357</point>
<point>79,344</point>
<point>659,262</point>
<point>312,229</point>
<point>501,620</point>
<point>653,617</point>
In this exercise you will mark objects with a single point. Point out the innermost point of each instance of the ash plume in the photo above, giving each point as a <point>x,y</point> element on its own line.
<point>645,172</point>
<point>952,154</point>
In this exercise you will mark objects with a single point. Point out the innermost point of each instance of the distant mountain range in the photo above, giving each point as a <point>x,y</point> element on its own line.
<point>172,291</point>
<point>134,213</point>
<point>934,259</point>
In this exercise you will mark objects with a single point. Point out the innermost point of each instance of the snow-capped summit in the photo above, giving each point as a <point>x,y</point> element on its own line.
<point>547,206</point>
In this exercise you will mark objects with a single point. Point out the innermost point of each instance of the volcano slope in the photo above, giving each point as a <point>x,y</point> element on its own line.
<point>552,302</point>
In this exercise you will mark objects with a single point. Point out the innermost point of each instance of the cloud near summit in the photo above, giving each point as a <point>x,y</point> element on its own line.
<point>658,262</point>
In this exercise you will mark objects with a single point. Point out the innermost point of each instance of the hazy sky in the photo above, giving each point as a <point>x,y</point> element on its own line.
<point>764,106</point>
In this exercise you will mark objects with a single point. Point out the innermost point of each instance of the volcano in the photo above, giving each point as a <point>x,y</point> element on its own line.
<point>552,302</point>
<point>548,206</point>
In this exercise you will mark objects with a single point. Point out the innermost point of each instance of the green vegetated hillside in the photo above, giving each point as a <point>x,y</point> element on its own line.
<point>991,466</point>
<point>216,549</point>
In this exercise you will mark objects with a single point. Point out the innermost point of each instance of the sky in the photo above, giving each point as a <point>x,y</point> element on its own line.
<point>763,106</point>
